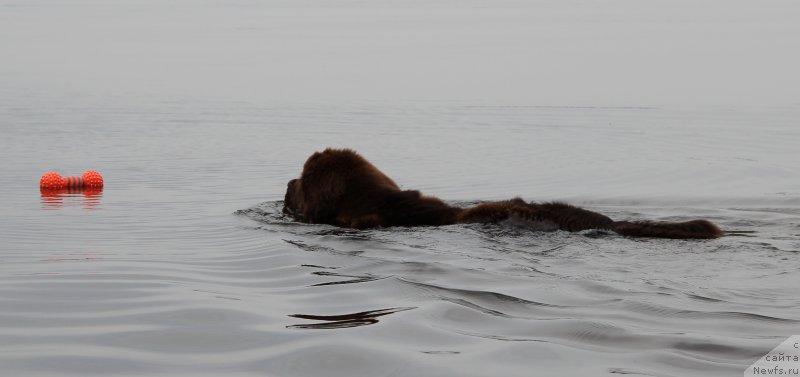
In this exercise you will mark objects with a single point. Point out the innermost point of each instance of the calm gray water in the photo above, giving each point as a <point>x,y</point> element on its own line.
<point>184,265</point>
<point>198,112</point>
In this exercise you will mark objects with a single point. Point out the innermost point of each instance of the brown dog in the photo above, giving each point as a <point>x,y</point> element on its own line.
<point>339,187</point>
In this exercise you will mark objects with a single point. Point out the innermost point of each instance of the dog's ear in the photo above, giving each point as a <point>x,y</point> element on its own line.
<point>324,181</point>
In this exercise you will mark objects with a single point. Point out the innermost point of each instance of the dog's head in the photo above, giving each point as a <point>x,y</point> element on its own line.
<point>328,177</point>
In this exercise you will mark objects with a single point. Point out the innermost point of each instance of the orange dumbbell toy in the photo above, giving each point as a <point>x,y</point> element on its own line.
<point>54,181</point>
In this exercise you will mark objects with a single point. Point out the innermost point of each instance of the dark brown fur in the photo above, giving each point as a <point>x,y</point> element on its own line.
<point>339,187</point>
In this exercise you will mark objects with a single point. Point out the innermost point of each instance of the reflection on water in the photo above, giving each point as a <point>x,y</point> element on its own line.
<point>349,279</point>
<point>88,197</point>
<point>344,320</point>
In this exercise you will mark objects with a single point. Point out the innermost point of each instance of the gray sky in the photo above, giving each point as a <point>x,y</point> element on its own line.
<point>551,53</point>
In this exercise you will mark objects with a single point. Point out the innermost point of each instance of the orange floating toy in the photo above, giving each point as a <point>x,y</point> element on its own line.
<point>54,181</point>
<point>51,180</point>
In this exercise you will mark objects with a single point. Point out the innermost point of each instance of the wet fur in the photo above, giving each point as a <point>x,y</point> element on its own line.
<point>339,187</point>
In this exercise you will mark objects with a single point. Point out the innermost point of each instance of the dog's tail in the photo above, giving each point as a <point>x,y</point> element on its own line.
<point>695,229</point>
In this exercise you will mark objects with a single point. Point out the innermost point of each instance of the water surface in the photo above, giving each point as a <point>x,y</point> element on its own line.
<point>185,265</point>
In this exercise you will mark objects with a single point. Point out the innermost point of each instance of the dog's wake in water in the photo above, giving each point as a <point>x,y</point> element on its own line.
<point>530,293</point>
